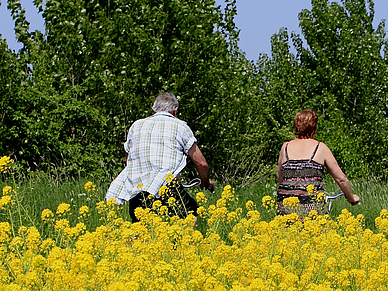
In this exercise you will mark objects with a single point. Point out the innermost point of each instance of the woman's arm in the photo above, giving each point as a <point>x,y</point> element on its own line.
<point>280,162</point>
<point>338,176</point>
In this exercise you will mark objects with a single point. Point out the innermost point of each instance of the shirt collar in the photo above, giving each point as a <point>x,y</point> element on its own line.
<point>164,113</point>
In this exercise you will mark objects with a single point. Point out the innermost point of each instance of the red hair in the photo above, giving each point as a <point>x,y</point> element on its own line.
<point>305,123</point>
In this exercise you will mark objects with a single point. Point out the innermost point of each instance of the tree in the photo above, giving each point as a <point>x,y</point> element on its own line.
<point>342,74</point>
<point>349,59</point>
<point>101,63</point>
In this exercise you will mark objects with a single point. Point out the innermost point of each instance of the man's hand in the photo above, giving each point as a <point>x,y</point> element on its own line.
<point>207,185</point>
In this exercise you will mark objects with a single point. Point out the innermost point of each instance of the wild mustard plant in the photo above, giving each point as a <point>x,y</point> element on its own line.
<point>89,186</point>
<point>270,205</point>
<point>291,202</point>
<point>318,197</point>
<point>6,164</point>
<point>167,253</point>
<point>239,251</point>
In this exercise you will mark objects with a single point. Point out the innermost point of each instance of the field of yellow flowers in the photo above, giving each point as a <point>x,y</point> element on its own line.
<point>238,250</point>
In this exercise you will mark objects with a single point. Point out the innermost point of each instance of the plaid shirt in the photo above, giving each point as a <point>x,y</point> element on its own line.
<point>157,145</point>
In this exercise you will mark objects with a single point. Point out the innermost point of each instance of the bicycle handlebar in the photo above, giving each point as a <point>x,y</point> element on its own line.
<point>331,198</point>
<point>197,181</point>
<point>192,183</point>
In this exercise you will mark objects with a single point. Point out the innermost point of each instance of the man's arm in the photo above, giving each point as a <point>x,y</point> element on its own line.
<point>201,165</point>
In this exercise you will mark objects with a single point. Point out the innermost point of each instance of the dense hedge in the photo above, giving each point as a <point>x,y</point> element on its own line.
<point>69,96</point>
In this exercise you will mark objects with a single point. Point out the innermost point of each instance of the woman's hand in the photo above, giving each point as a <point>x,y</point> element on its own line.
<point>355,200</point>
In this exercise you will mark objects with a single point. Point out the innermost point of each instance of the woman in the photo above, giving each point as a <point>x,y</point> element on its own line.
<point>301,163</point>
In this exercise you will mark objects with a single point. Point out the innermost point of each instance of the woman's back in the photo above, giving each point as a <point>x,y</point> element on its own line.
<point>300,170</point>
<point>301,163</point>
<point>303,149</point>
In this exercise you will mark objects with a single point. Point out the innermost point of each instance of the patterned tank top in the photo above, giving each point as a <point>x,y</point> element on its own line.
<point>298,174</point>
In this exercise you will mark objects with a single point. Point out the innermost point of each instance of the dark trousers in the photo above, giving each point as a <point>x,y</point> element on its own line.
<point>184,205</point>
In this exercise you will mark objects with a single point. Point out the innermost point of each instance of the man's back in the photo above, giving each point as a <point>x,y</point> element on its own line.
<point>156,146</point>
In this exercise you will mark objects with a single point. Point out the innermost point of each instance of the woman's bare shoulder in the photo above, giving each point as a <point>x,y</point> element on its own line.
<point>285,143</point>
<point>323,146</point>
<point>325,153</point>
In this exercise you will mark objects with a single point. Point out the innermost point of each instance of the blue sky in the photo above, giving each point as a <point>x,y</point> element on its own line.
<point>258,20</point>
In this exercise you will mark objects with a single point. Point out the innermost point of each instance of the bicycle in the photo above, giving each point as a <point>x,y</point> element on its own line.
<point>330,199</point>
<point>195,182</point>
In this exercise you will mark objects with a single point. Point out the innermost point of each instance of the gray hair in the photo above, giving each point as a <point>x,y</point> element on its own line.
<point>166,102</point>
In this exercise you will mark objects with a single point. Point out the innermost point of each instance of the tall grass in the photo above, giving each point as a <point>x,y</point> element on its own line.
<point>35,192</point>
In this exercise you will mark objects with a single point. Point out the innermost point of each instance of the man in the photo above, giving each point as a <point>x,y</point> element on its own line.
<point>156,147</point>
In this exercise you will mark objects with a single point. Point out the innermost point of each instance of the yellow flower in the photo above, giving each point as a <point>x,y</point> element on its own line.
<point>111,215</point>
<point>4,201</point>
<point>291,202</point>
<point>171,201</point>
<point>16,244</point>
<point>83,263</point>
<point>22,231</point>
<point>201,198</point>
<point>7,190</point>
<point>63,209</point>
<point>250,205</point>
<point>89,186</point>
<point>33,238</point>
<point>228,193</point>
<point>83,212</point>
<point>163,210</point>
<point>73,232</point>
<point>47,245</point>
<point>39,262</point>
<point>169,178</point>
<point>232,216</point>
<point>47,215</point>
<point>268,202</point>
<point>313,214</point>
<point>5,232</point>
<point>384,213</point>
<point>156,205</point>
<point>101,206</point>
<point>61,224</point>
<point>163,191</point>
<point>202,211</point>
<point>4,163</point>
<point>140,185</point>
<point>320,197</point>
<point>310,189</point>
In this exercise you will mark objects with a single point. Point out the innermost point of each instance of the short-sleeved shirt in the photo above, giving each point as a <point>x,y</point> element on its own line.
<point>157,146</point>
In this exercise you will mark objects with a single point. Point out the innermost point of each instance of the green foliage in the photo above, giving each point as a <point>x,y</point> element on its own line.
<point>348,58</point>
<point>69,96</point>
<point>11,77</point>
<point>101,64</point>
<point>342,74</point>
